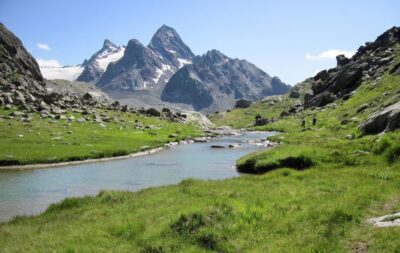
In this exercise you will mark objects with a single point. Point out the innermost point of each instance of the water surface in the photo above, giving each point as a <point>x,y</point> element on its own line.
<point>30,192</point>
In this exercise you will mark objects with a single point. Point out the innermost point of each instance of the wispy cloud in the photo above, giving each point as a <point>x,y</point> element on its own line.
<point>48,63</point>
<point>43,46</point>
<point>330,54</point>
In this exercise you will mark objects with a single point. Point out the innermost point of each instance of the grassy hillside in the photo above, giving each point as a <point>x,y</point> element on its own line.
<point>48,141</point>
<point>323,184</point>
<point>269,107</point>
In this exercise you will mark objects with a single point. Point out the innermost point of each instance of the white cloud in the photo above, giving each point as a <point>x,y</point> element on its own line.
<point>43,46</point>
<point>48,63</point>
<point>330,54</point>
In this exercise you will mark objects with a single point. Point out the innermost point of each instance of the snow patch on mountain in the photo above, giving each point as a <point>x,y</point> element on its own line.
<point>183,62</point>
<point>63,72</point>
<point>106,58</point>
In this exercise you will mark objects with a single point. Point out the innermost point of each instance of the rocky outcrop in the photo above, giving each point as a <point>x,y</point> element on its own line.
<point>368,64</point>
<point>387,119</point>
<point>214,82</point>
<point>21,82</point>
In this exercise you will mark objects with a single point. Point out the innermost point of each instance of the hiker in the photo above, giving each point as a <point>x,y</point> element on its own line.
<point>303,123</point>
<point>314,120</point>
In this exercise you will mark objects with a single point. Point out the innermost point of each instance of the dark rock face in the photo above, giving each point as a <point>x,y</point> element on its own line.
<point>147,68</point>
<point>21,82</point>
<point>321,99</point>
<point>167,43</point>
<point>15,58</point>
<point>386,120</point>
<point>242,103</point>
<point>368,63</point>
<point>214,82</point>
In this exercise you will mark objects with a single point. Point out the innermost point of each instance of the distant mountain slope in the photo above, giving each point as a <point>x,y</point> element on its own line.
<point>214,82</point>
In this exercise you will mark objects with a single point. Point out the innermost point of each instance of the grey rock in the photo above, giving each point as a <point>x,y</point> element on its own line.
<point>342,60</point>
<point>362,107</point>
<point>387,119</point>
<point>294,94</point>
<point>319,100</point>
<point>17,113</point>
<point>242,103</point>
<point>322,75</point>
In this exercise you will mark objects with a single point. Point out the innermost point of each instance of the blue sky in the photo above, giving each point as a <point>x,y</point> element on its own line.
<point>289,39</point>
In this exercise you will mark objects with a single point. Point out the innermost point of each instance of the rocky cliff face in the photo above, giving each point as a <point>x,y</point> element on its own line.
<point>214,82</point>
<point>22,84</point>
<point>147,68</point>
<point>368,64</point>
<point>20,79</point>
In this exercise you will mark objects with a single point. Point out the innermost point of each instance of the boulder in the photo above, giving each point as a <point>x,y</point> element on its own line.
<point>346,79</point>
<point>294,94</point>
<point>387,119</point>
<point>242,103</point>
<point>218,146</point>
<point>342,60</point>
<point>322,75</point>
<point>153,112</point>
<point>319,100</point>
<point>362,107</point>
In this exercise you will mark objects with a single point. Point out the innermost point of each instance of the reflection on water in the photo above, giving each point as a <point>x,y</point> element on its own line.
<point>30,192</point>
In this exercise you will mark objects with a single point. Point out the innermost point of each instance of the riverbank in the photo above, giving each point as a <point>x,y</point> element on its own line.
<point>76,137</point>
<point>98,160</point>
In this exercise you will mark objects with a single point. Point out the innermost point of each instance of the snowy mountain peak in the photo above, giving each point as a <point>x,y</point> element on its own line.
<point>98,63</point>
<point>108,44</point>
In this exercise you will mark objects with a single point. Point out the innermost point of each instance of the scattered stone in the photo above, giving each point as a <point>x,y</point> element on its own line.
<point>153,112</point>
<point>173,136</point>
<point>81,120</point>
<point>294,94</point>
<point>17,113</point>
<point>234,145</point>
<point>362,108</point>
<point>200,140</point>
<point>242,103</point>
<point>102,125</point>
<point>218,146</point>
<point>390,220</point>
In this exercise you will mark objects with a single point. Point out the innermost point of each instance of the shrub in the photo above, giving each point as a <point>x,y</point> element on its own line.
<point>381,145</point>
<point>189,224</point>
<point>393,154</point>
<point>67,203</point>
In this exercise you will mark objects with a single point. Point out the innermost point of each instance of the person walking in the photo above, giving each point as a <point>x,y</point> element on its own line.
<point>303,123</point>
<point>314,120</point>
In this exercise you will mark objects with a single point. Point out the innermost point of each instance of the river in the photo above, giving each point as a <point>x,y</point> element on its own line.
<point>30,192</point>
